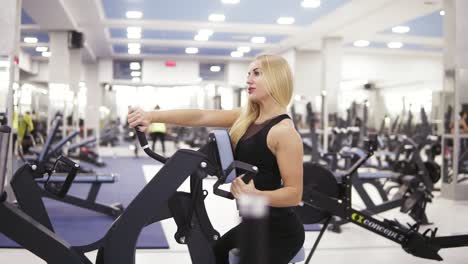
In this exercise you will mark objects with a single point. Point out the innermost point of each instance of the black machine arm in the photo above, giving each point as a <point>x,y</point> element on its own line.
<point>61,190</point>
<point>144,144</point>
<point>249,170</point>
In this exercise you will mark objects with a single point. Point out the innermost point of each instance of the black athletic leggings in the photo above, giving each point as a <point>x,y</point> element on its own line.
<point>161,136</point>
<point>285,239</point>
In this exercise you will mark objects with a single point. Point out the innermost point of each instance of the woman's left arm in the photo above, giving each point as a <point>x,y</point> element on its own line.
<point>286,144</point>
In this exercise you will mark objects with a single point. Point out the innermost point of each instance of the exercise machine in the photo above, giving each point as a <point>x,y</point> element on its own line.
<point>325,197</point>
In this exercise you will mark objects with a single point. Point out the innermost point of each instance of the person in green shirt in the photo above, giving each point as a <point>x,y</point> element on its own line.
<point>158,132</point>
<point>25,127</point>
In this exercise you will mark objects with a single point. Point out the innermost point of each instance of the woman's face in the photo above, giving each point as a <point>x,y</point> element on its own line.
<point>256,87</point>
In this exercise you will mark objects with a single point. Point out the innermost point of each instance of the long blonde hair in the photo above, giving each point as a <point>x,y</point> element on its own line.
<point>277,78</point>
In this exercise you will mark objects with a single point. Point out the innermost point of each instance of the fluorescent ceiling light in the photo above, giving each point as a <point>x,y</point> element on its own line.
<point>191,50</point>
<point>30,40</point>
<point>136,79</point>
<point>258,40</point>
<point>244,49</point>
<point>361,43</point>
<point>400,29</point>
<point>41,49</point>
<point>134,14</point>
<point>134,30</point>
<point>237,54</point>
<point>201,37</point>
<point>205,32</point>
<point>216,18</point>
<point>135,74</point>
<point>395,45</point>
<point>310,3</point>
<point>134,51</point>
<point>215,68</point>
<point>442,12</point>
<point>46,54</point>
<point>230,2</point>
<point>134,45</point>
<point>133,35</point>
<point>285,20</point>
<point>135,66</point>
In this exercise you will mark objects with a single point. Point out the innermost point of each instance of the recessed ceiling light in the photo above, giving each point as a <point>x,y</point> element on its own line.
<point>258,39</point>
<point>134,51</point>
<point>442,12</point>
<point>230,2</point>
<point>136,79</point>
<point>46,54</point>
<point>237,54</point>
<point>361,43</point>
<point>42,49</point>
<point>216,18</point>
<point>310,3</point>
<point>134,14</point>
<point>400,29</point>
<point>191,50</point>
<point>395,45</point>
<point>135,74</point>
<point>134,35</point>
<point>135,66</point>
<point>285,20</point>
<point>134,45</point>
<point>134,30</point>
<point>244,49</point>
<point>201,37</point>
<point>30,40</point>
<point>215,68</point>
<point>205,32</point>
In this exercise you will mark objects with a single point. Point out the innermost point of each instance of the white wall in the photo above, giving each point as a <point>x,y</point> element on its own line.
<point>236,73</point>
<point>105,69</point>
<point>398,76</point>
<point>308,75</point>
<point>413,77</point>
<point>41,73</point>
<point>26,64</point>
<point>290,57</point>
<point>155,71</point>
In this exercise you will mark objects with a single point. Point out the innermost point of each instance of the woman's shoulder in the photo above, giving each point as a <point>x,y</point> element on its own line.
<point>284,131</point>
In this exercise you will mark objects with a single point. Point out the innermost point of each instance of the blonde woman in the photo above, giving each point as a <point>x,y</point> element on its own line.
<point>262,134</point>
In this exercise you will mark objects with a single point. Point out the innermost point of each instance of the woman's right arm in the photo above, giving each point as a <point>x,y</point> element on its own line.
<point>185,117</point>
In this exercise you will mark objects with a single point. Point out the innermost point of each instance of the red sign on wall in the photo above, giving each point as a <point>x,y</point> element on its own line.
<point>171,63</point>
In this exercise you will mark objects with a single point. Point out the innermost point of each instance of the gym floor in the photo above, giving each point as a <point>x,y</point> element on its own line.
<point>353,246</point>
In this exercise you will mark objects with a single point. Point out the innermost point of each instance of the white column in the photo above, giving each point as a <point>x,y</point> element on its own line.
<point>332,54</point>
<point>10,15</point>
<point>94,98</point>
<point>75,78</point>
<point>64,75</point>
<point>456,80</point>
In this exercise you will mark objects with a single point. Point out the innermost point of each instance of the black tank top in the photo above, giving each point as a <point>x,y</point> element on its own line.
<point>252,148</point>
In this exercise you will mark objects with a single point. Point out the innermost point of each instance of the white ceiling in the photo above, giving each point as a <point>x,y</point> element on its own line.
<point>356,19</point>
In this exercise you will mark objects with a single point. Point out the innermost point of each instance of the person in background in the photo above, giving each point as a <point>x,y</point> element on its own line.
<point>25,127</point>
<point>158,132</point>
